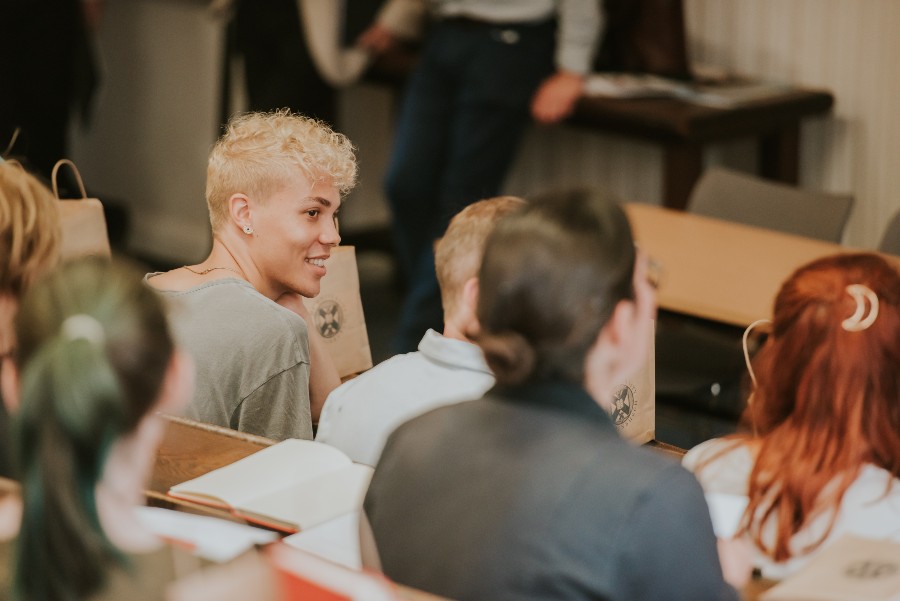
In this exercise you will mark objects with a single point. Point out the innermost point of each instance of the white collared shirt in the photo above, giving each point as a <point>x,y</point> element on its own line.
<point>359,415</point>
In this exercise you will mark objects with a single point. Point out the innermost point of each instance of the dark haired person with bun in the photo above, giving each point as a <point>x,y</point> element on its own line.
<point>530,493</point>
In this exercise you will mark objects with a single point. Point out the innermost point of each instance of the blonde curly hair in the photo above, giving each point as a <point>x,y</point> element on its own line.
<point>29,228</point>
<point>259,152</point>
<point>457,255</point>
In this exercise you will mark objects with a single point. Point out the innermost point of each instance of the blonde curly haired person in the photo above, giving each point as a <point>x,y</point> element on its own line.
<point>29,246</point>
<point>29,239</point>
<point>274,187</point>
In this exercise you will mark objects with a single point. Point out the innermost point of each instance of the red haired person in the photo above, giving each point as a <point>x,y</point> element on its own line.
<point>822,455</point>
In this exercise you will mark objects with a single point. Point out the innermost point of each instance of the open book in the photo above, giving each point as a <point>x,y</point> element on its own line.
<point>289,486</point>
<point>211,538</point>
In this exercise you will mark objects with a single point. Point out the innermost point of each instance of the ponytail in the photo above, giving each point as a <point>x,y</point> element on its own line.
<point>551,276</point>
<point>93,346</point>
<point>69,418</point>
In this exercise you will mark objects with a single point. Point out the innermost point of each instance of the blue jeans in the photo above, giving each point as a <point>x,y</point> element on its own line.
<point>460,125</point>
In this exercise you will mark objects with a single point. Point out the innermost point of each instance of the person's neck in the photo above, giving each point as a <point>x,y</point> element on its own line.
<point>451,330</point>
<point>460,325</point>
<point>10,515</point>
<point>121,489</point>
<point>233,256</point>
<point>8,307</point>
<point>600,376</point>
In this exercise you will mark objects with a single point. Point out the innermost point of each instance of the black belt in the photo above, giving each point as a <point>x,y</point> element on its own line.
<point>470,22</point>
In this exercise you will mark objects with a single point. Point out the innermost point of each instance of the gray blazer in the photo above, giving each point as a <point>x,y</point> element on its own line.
<point>530,493</point>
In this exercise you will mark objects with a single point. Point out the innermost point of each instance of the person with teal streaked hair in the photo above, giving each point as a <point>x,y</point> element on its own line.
<point>94,362</point>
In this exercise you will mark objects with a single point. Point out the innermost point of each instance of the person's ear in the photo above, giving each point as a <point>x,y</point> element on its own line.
<point>9,384</point>
<point>239,211</point>
<point>619,350</point>
<point>469,303</point>
<point>178,385</point>
<point>633,330</point>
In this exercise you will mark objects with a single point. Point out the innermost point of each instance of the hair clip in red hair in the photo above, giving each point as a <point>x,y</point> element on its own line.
<point>860,321</point>
<point>747,350</point>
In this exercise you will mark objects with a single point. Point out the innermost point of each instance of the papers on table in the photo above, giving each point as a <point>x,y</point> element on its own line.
<point>210,538</point>
<point>336,540</point>
<point>726,94</point>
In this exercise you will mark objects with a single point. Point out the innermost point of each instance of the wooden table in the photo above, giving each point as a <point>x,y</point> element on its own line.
<point>685,129</point>
<point>191,449</point>
<point>719,270</point>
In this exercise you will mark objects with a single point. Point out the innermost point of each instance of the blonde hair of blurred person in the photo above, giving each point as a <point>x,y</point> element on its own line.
<point>29,239</point>
<point>457,258</point>
<point>274,187</point>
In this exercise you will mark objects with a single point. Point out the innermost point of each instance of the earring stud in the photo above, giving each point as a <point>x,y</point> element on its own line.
<point>248,230</point>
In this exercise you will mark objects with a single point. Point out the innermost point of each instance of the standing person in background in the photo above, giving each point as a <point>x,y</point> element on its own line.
<point>273,188</point>
<point>47,74</point>
<point>822,457</point>
<point>448,368</point>
<point>486,66</point>
<point>278,69</point>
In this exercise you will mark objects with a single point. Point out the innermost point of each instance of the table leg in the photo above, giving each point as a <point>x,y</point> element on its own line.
<point>684,162</point>
<point>779,154</point>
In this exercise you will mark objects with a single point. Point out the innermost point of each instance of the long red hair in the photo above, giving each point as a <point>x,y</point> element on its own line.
<point>827,400</point>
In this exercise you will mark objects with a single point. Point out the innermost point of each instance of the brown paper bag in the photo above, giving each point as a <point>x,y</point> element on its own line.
<point>634,402</point>
<point>337,314</point>
<point>82,220</point>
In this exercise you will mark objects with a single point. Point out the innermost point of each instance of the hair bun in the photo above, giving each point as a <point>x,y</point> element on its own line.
<point>509,355</point>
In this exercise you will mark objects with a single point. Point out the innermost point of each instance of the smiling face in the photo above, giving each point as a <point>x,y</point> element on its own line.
<point>294,230</point>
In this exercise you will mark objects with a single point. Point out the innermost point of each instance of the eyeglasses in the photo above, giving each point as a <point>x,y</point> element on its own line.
<point>654,272</point>
<point>653,267</point>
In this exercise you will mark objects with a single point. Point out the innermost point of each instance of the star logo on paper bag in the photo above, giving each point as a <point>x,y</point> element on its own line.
<point>624,406</point>
<point>329,318</point>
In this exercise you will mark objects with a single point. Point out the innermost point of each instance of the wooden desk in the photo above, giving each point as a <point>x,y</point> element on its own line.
<point>719,270</point>
<point>684,129</point>
<point>755,588</point>
<point>191,449</point>
<point>664,448</point>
